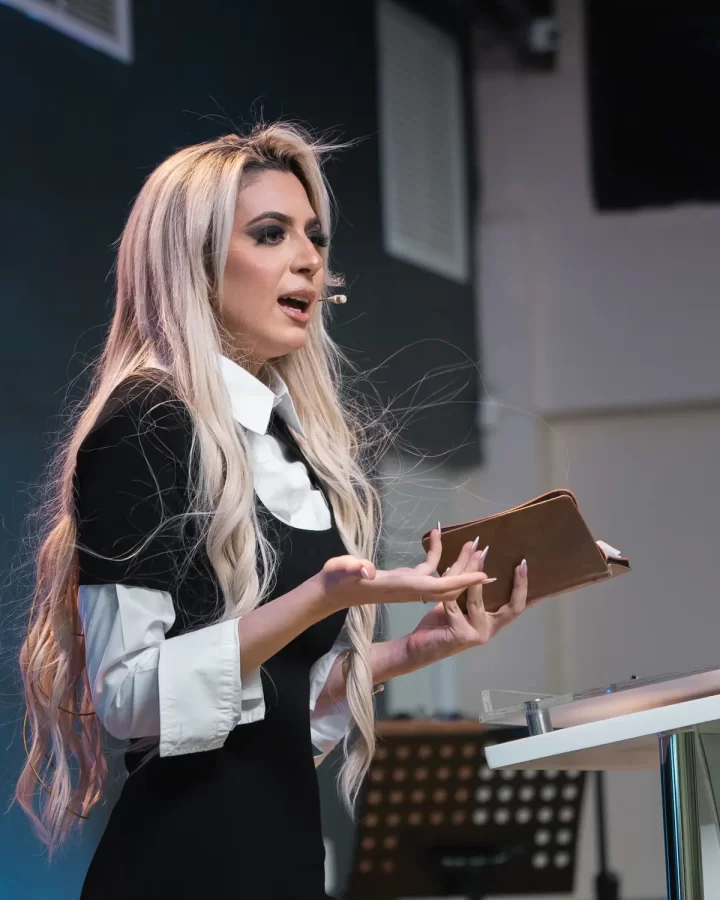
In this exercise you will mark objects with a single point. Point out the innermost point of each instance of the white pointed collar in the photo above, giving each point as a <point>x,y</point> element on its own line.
<point>252,402</point>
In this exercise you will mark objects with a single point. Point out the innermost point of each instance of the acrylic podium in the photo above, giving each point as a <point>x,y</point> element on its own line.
<point>670,722</point>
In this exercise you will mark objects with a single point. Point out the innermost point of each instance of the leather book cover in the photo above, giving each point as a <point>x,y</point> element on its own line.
<point>550,533</point>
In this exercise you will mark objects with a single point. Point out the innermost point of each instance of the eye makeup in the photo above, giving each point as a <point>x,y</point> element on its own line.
<point>273,234</point>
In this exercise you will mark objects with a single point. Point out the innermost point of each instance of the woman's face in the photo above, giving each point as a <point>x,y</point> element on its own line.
<point>273,256</point>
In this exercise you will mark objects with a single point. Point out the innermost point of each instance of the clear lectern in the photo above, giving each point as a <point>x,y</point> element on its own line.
<point>671,722</point>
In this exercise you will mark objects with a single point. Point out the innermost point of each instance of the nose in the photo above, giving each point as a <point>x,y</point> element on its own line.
<point>307,259</point>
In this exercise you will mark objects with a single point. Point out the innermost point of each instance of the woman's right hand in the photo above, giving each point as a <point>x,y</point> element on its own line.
<point>350,581</point>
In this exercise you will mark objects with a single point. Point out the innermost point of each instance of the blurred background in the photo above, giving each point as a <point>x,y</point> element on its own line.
<point>528,229</point>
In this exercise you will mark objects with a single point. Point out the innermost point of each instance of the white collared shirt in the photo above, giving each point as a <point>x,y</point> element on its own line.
<point>187,689</point>
<point>284,487</point>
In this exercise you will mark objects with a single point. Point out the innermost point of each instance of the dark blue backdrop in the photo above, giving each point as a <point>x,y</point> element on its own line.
<point>80,133</point>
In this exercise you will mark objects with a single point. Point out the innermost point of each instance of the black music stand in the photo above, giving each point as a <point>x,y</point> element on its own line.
<point>435,821</point>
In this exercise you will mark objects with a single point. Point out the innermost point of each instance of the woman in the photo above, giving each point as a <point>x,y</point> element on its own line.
<point>206,588</point>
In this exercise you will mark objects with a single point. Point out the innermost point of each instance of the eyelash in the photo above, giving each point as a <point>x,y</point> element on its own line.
<point>266,235</point>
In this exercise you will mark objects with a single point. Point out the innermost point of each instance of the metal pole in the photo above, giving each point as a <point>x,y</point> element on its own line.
<point>538,720</point>
<point>680,816</point>
<point>607,884</point>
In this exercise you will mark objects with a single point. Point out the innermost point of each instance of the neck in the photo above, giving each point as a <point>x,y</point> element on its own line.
<point>243,358</point>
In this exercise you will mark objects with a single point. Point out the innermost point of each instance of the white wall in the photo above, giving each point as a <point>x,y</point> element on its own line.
<point>605,326</point>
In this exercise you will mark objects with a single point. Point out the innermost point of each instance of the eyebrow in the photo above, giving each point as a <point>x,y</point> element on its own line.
<point>281,217</point>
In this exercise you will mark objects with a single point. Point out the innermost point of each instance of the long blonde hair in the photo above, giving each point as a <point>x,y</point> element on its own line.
<point>169,291</point>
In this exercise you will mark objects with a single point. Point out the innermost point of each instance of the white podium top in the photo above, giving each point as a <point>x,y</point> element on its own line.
<point>615,727</point>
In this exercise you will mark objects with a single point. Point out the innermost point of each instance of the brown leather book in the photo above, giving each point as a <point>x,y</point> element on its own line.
<point>550,533</point>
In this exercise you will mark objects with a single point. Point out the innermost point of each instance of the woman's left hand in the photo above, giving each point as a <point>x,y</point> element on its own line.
<point>446,630</point>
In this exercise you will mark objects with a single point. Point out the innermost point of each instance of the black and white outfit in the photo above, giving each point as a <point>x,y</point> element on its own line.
<point>229,805</point>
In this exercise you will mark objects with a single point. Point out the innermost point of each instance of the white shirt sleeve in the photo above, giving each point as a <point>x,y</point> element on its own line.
<point>187,690</point>
<point>328,728</point>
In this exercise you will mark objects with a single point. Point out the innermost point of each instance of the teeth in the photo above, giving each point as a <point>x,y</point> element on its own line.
<point>296,299</point>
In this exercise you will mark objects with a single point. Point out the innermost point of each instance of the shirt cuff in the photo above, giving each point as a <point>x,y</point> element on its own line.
<point>328,728</point>
<point>201,695</point>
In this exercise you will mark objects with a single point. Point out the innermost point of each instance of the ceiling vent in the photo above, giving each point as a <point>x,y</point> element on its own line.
<point>104,25</point>
<point>422,144</point>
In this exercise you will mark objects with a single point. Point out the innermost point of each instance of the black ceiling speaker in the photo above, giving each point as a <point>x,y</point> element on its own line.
<point>653,78</point>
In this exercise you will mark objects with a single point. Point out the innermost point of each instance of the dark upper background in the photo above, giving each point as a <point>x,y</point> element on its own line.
<point>81,132</point>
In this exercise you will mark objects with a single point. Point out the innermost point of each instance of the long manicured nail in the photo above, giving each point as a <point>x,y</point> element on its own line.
<point>523,568</point>
<point>446,571</point>
<point>489,581</point>
<point>608,549</point>
<point>475,544</point>
<point>484,554</point>
<point>439,529</point>
<point>364,572</point>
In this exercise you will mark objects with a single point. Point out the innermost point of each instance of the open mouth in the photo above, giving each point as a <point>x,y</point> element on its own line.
<point>297,303</point>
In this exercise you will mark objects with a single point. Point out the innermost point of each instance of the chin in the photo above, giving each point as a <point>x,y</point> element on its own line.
<point>283,348</point>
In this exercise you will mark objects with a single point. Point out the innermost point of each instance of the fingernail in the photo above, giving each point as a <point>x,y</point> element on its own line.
<point>608,549</point>
<point>475,544</point>
<point>439,528</point>
<point>523,568</point>
<point>364,572</point>
<point>489,581</point>
<point>446,571</point>
<point>484,554</point>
